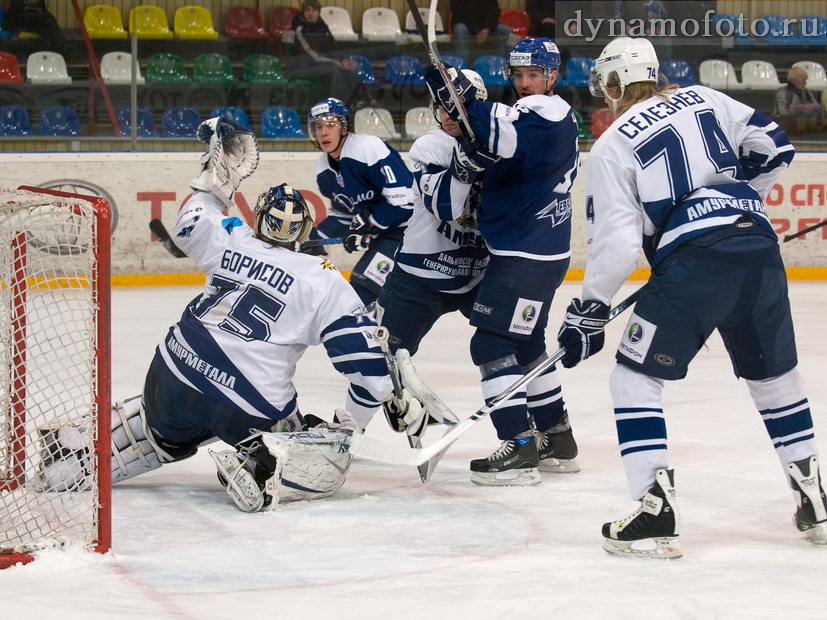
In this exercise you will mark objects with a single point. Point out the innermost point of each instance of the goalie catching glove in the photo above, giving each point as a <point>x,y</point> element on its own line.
<point>582,332</point>
<point>406,413</point>
<point>232,156</point>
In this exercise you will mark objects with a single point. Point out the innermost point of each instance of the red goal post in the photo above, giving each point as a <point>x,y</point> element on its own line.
<point>55,402</point>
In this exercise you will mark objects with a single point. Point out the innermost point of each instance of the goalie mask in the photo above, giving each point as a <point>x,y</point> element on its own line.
<point>282,216</point>
<point>630,60</point>
<point>533,52</point>
<point>330,111</point>
<point>232,156</point>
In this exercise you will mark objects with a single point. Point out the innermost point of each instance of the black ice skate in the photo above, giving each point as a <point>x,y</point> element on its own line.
<point>811,515</point>
<point>514,463</point>
<point>557,450</point>
<point>652,529</point>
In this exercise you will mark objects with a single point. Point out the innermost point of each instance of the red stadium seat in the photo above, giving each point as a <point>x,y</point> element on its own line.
<point>601,121</point>
<point>518,21</point>
<point>244,22</point>
<point>281,19</point>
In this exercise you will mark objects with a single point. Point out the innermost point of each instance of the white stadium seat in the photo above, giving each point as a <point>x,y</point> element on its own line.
<point>338,20</point>
<point>376,122</point>
<point>759,75</point>
<point>380,24</point>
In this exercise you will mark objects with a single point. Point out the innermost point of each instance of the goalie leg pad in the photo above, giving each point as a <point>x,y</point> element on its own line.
<point>134,451</point>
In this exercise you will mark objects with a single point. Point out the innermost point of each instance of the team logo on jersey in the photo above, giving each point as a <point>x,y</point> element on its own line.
<point>326,264</point>
<point>525,313</point>
<point>635,333</point>
<point>559,211</point>
<point>529,313</point>
<point>340,179</point>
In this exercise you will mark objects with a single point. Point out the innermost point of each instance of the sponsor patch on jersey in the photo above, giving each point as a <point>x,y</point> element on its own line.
<point>487,310</point>
<point>637,338</point>
<point>379,268</point>
<point>525,316</point>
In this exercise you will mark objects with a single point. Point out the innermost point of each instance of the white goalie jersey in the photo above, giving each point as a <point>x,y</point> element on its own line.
<point>686,167</point>
<point>239,341</point>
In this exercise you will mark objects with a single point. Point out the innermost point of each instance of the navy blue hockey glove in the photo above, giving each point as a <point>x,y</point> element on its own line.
<point>465,90</point>
<point>358,235</point>
<point>470,159</point>
<point>582,330</point>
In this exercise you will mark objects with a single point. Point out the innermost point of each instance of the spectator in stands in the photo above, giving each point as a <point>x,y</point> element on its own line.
<point>480,19</point>
<point>796,109</point>
<point>313,50</point>
<point>541,13</point>
<point>32,16</point>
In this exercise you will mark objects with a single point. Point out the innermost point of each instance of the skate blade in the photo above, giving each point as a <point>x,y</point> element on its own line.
<point>661,548</point>
<point>817,534</point>
<point>559,466</point>
<point>509,478</point>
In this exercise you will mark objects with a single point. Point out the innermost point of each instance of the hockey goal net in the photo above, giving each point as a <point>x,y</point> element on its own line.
<point>54,372</point>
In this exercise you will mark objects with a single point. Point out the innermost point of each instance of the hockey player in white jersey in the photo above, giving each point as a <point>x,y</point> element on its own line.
<point>529,155</point>
<point>225,369</point>
<point>369,188</point>
<point>686,170</point>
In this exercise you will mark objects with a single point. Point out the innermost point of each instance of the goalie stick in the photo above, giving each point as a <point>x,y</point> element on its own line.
<point>373,449</point>
<point>795,235</point>
<point>428,36</point>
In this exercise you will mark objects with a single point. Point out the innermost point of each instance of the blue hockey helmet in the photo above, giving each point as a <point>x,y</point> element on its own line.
<point>534,52</point>
<point>329,110</point>
<point>282,216</point>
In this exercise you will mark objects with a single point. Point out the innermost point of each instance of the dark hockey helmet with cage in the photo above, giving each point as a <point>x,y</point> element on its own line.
<point>282,216</point>
<point>329,110</point>
<point>533,52</point>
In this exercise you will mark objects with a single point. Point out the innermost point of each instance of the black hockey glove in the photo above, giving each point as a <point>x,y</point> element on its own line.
<point>465,90</point>
<point>582,330</point>
<point>470,159</point>
<point>358,235</point>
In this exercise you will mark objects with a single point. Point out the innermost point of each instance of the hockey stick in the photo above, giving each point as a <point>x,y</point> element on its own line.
<point>312,243</point>
<point>805,231</point>
<point>376,450</point>
<point>160,231</point>
<point>428,36</point>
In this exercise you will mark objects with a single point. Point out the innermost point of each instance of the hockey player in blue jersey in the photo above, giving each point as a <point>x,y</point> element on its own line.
<point>529,155</point>
<point>369,188</point>
<point>225,369</point>
<point>685,171</point>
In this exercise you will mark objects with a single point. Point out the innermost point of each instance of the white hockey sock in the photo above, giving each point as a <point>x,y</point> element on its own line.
<point>782,403</point>
<point>510,418</point>
<point>545,400</point>
<point>641,428</point>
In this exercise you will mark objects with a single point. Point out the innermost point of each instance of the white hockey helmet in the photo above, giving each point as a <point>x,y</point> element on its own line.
<point>634,60</point>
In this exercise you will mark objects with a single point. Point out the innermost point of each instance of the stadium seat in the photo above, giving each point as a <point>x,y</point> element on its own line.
<point>4,34</point>
<point>363,69</point>
<point>244,22</point>
<point>517,20</point>
<point>164,68</point>
<point>213,69</point>
<point>281,122</point>
<point>582,131</point>
<point>10,69</point>
<point>59,121</point>
<point>381,24</point>
<point>263,69</point>
<point>47,68</point>
<point>413,33</point>
<point>719,74</point>
<point>578,70</point>
<point>600,121</point>
<point>377,122</point>
<point>759,75</point>
<point>180,122</point>
<point>491,69</point>
<point>338,20</point>
<point>781,31</point>
<point>732,26</point>
<point>232,113</point>
<point>454,61</point>
<point>404,69</point>
<point>15,121</point>
<point>194,22</point>
<point>144,123</point>
<point>281,20</point>
<point>678,72</point>
<point>812,30</point>
<point>149,22</point>
<point>816,77</point>
<point>418,122</point>
<point>103,21</point>
<point>116,68</point>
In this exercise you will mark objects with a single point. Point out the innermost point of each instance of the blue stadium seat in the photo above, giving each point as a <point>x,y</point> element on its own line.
<point>281,122</point>
<point>490,69</point>
<point>237,115</point>
<point>454,61</point>
<point>180,122</point>
<point>678,72</point>
<point>404,69</point>
<point>363,69</point>
<point>145,123</point>
<point>59,121</point>
<point>15,121</point>
<point>578,69</point>
<point>782,31</point>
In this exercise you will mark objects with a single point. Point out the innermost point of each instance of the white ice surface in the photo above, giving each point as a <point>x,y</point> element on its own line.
<point>388,546</point>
